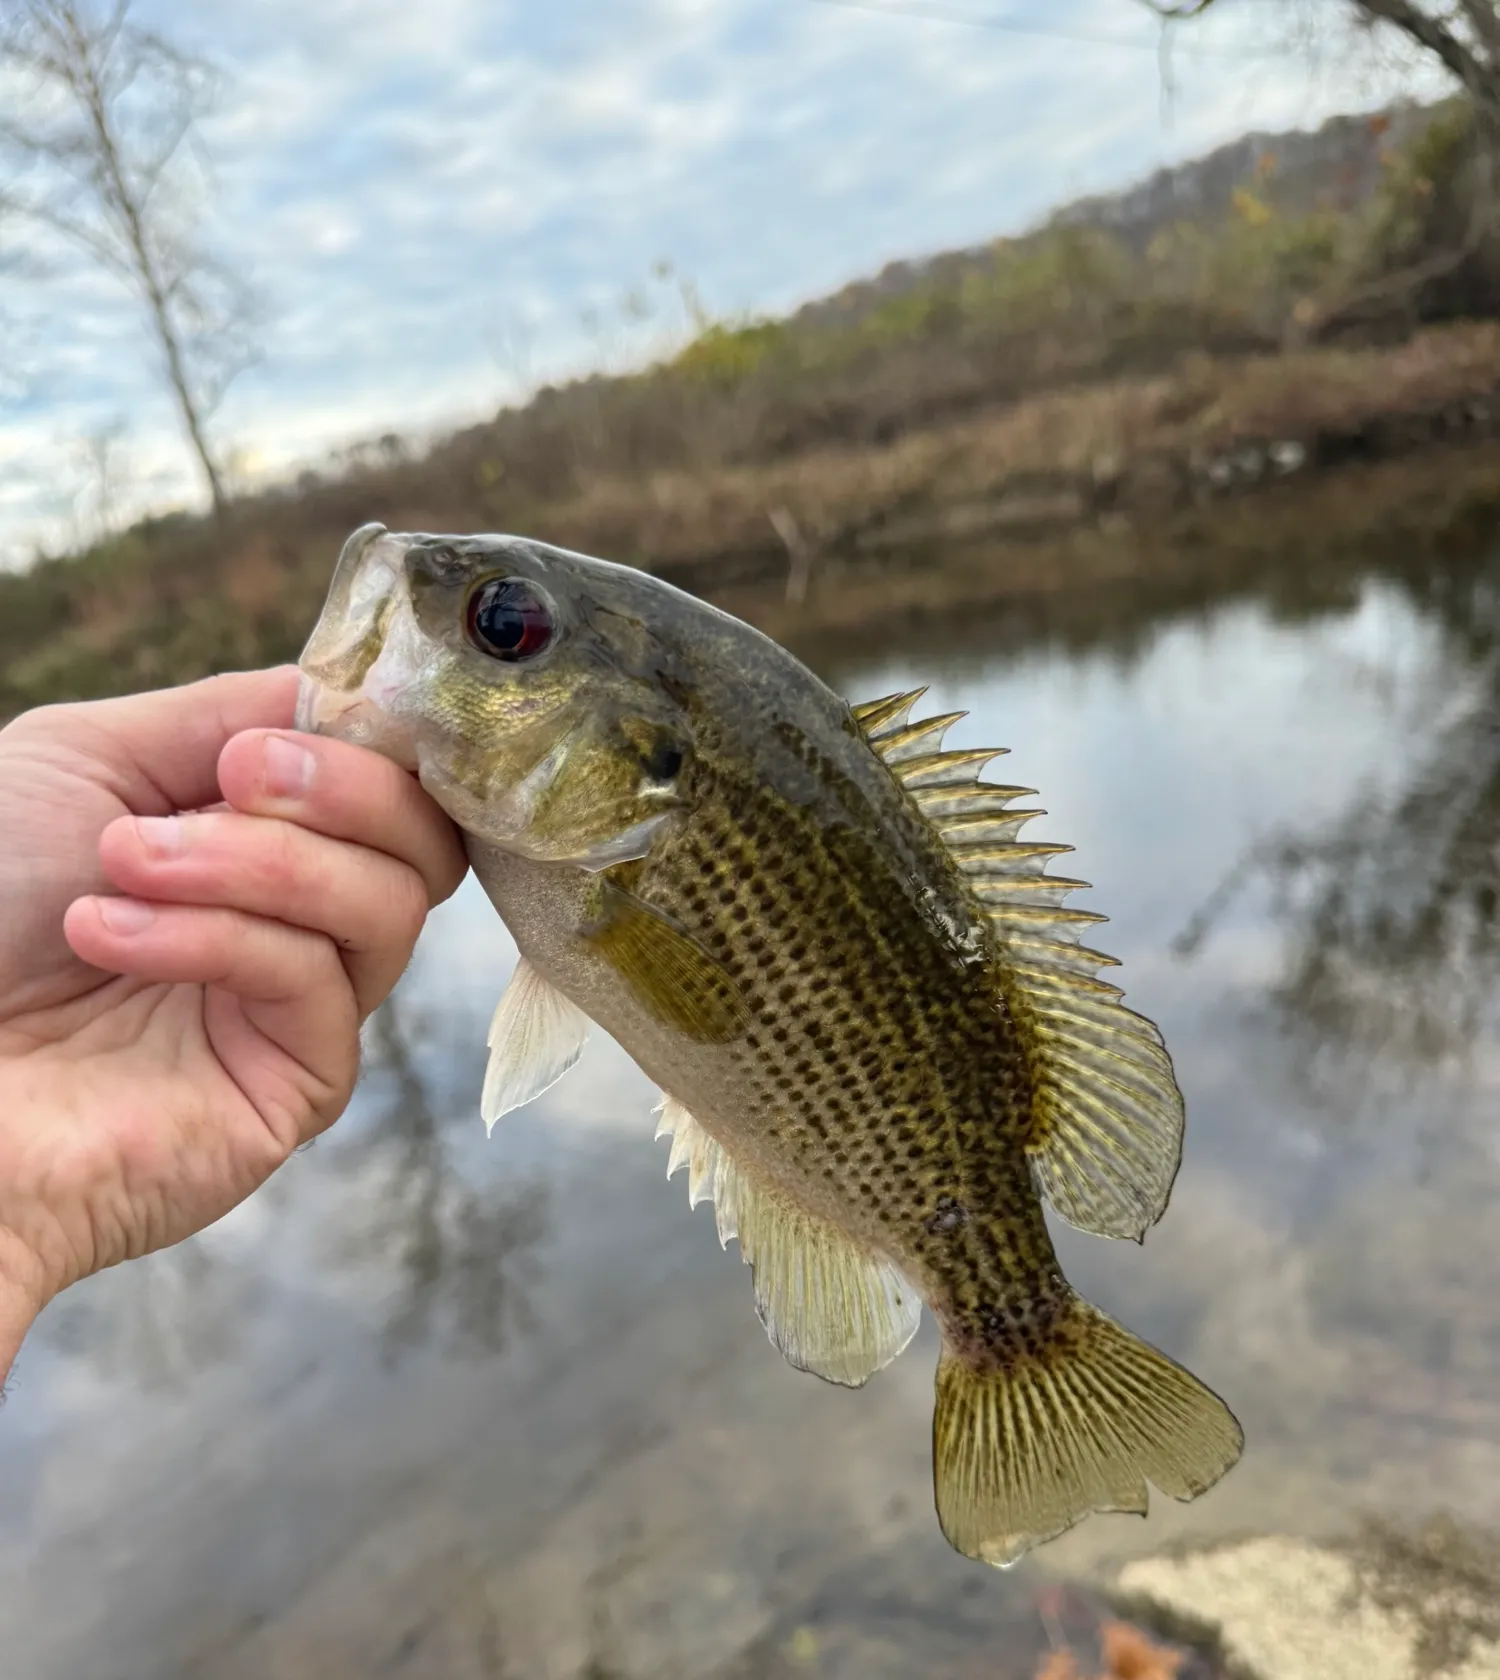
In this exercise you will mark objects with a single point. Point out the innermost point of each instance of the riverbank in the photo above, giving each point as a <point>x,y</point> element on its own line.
<point>1058,506</point>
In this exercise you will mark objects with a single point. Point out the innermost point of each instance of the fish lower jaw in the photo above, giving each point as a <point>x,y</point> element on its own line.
<point>354,718</point>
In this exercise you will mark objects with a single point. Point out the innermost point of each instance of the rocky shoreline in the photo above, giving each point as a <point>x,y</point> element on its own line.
<point>1382,1605</point>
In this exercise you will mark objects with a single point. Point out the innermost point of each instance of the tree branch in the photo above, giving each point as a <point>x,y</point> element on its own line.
<point>1484,20</point>
<point>108,109</point>
<point>1482,81</point>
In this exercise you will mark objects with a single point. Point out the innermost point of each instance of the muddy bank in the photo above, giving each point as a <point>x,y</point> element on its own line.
<point>1067,504</point>
<point>1302,541</point>
<point>1168,458</point>
<point>107,625</point>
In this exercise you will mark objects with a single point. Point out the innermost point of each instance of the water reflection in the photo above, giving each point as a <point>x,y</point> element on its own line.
<point>440,1405</point>
<point>464,1250</point>
<point>449,1253</point>
<point>1391,909</point>
<point>161,1323</point>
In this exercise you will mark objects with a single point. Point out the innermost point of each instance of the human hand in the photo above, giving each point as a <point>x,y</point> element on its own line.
<point>164,1051</point>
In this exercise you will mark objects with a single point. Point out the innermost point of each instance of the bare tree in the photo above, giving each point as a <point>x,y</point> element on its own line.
<point>1462,35</point>
<point>97,143</point>
<point>98,459</point>
<point>1453,264</point>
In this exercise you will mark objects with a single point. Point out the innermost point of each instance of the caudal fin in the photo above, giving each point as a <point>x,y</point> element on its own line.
<point>1023,1451</point>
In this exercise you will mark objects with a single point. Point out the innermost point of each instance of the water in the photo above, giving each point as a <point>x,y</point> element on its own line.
<point>432,1405</point>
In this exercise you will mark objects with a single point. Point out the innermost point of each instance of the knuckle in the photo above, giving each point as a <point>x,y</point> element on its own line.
<point>409,905</point>
<point>281,866</point>
<point>39,719</point>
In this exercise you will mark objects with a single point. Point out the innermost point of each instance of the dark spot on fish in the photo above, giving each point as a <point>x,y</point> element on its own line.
<point>950,1216</point>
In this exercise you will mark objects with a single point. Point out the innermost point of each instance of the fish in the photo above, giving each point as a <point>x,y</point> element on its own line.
<point>881,1044</point>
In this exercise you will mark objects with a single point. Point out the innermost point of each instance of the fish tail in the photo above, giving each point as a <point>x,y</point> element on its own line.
<point>1029,1441</point>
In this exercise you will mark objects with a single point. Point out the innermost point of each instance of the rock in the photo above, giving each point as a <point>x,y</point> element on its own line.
<point>1385,1607</point>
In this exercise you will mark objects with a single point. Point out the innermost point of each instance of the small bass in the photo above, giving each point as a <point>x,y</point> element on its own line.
<point>880,1041</point>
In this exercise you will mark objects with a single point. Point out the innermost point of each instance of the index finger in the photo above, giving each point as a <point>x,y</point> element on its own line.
<point>160,751</point>
<point>348,793</point>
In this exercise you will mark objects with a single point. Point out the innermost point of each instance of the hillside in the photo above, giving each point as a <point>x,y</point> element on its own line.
<point>1284,305</point>
<point>1337,168</point>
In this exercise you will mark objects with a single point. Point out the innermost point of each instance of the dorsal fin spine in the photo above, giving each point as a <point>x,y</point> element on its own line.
<point>1106,1113</point>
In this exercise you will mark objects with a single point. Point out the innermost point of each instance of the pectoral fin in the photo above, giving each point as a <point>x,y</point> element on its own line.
<point>669,972</point>
<point>535,1037</point>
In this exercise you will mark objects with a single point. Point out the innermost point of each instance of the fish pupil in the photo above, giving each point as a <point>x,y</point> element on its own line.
<point>663,762</point>
<point>509,619</point>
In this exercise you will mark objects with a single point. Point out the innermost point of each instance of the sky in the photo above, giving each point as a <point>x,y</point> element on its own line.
<point>442,204</point>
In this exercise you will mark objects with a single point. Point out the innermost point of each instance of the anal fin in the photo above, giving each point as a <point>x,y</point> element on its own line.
<point>535,1037</point>
<point>832,1306</point>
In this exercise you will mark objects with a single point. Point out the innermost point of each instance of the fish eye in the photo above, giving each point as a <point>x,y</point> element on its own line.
<point>509,619</point>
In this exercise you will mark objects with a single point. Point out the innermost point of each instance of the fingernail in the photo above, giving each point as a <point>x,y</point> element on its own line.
<point>289,767</point>
<point>162,837</point>
<point>125,915</point>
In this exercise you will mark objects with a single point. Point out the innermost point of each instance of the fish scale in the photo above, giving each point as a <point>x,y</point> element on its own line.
<point>890,1131</point>
<point>880,1042</point>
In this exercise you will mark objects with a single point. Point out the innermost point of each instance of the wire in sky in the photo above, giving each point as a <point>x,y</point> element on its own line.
<point>938,13</point>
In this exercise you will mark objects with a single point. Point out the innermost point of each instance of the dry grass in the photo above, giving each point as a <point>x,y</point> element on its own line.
<point>1040,391</point>
<point>1205,407</point>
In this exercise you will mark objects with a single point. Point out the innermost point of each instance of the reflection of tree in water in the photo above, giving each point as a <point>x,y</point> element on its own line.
<point>156,1321</point>
<point>1392,910</point>
<point>462,1249</point>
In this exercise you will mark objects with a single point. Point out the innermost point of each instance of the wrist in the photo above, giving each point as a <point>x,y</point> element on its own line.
<point>22,1296</point>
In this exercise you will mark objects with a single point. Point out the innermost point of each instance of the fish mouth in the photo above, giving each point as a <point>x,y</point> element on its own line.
<point>354,718</point>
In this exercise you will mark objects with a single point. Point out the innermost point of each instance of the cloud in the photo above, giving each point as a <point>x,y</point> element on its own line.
<point>413,185</point>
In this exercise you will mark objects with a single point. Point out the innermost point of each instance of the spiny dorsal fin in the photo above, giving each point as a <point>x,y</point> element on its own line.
<point>1107,1115</point>
<point>886,713</point>
<point>832,1307</point>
